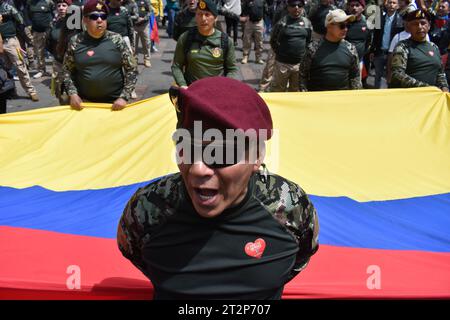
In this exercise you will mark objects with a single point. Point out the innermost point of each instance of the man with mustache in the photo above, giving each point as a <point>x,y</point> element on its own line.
<point>416,62</point>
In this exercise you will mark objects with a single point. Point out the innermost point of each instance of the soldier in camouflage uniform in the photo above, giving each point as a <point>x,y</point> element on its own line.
<point>289,39</point>
<point>98,64</point>
<point>41,14</point>
<point>141,26</point>
<point>416,62</point>
<point>10,19</point>
<point>331,63</point>
<point>119,21</point>
<point>220,230</point>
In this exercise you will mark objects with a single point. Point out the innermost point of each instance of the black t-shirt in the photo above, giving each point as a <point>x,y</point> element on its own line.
<point>424,62</point>
<point>98,76</point>
<point>248,252</point>
<point>330,67</point>
<point>254,9</point>
<point>358,34</point>
<point>41,14</point>
<point>117,21</point>
<point>293,38</point>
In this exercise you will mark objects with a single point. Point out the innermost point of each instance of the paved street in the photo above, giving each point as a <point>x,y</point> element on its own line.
<point>151,81</point>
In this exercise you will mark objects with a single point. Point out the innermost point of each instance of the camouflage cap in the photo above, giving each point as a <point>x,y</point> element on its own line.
<point>208,5</point>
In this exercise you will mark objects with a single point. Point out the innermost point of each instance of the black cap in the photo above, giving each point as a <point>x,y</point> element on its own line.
<point>417,15</point>
<point>294,2</point>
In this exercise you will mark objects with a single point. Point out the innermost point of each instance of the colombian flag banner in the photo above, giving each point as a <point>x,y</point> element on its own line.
<point>376,164</point>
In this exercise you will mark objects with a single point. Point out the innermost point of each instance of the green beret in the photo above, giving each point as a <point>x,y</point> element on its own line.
<point>208,5</point>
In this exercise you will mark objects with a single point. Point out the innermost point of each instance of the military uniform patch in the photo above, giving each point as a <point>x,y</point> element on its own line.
<point>216,52</point>
<point>431,53</point>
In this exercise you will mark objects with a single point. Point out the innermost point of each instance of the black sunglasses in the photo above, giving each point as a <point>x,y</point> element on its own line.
<point>95,16</point>
<point>341,25</point>
<point>227,155</point>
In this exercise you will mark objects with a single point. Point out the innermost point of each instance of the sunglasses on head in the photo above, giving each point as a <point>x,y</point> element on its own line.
<point>95,16</point>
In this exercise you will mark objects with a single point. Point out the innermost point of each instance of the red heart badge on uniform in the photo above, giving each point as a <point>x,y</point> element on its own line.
<point>431,53</point>
<point>255,249</point>
<point>90,53</point>
<point>363,29</point>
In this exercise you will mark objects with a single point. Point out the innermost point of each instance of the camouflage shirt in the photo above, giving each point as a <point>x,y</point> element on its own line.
<point>92,77</point>
<point>189,256</point>
<point>330,66</point>
<point>417,64</point>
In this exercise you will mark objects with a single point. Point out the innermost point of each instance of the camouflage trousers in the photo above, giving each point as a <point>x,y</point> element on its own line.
<point>39,41</point>
<point>143,33</point>
<point>12,56</point>
<point>267,73</point>
<point>285,77</point>
<point>253,31</point>
<point>57,83</point>
<point>26,41</point>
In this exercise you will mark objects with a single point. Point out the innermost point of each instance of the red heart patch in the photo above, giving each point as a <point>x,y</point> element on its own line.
<point>255,249</point>
<point>90,53</point>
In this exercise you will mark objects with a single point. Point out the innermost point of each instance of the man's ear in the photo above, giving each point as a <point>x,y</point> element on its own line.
<point>261,155</point>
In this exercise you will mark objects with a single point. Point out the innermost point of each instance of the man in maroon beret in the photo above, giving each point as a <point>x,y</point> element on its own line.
<point>221,228</point>
<point>358,32</point>
<point>98,64</point>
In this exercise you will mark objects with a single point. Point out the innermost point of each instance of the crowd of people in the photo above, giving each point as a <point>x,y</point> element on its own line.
<point>315,45</point>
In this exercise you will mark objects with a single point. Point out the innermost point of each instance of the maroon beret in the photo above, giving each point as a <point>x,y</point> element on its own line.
<point>361,2</point>
<point>68,2</point>
<point>223,103</point>
<point>94,5</point>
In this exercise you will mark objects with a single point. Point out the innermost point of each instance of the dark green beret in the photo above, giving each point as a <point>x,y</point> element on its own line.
<point>208,5</point>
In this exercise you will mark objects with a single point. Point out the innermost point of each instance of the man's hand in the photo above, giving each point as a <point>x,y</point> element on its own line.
<point>119,104</point>
<point>444,89</point>
<point>75,102</point>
